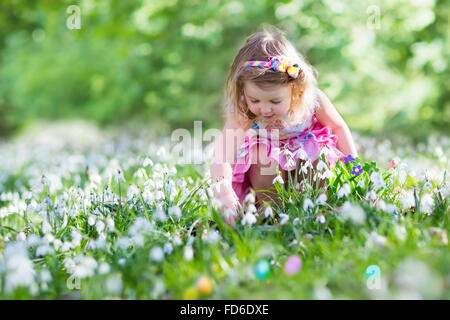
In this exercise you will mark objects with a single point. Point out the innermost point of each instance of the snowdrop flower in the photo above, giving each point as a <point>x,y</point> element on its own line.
<point>91,220</point>
<point>321,199</point>
<point>147,162</point>
<point>400,232</point>
<point>110,224</point>
<point>296,221</point>
<point>284,218</point>
<point>386,207</point>
<point>249,198</point>
<point>353,212</point>
<point>118,177</point>
<point>160,215</point>
<point>321,166</point>
<point>168,248</point>
<point>321,219</point>
<point>157,254</point>
<point>251,208</point>
<point>113,284</point>
<point>177,240</point>
<point>175,211</point>
<point>104,268</point>
<point>375,239</point>
<point>426,203</point>
<point>301,154</point>
<point>212,236</point>
<point>361,184</point>
<point>46,227</point>
<point>377,180</point>
<point>407,200</point>
<point>307,203</point>
<point>18,267</point>
<point>279,179</point>
<point>427,186</point>
<point>372,195</point>
<point>100,226</point>
<point>327,174</point>
<point>344,191</point>
<point>21,236</point>
<point>268,212</point>
<point>188,253</point>
<point>249,218</point>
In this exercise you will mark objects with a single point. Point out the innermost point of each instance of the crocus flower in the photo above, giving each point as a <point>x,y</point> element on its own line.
<point>357,170</point>
<point>349,159</point>
<point>391,164</point>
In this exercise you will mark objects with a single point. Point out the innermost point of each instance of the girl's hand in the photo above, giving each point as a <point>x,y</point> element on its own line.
<point>229,202</point>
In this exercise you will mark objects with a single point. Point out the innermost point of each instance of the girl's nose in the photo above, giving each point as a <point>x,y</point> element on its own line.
<point>266,109</point>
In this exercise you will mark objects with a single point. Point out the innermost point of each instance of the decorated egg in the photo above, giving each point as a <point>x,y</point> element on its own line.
<point>190,294</point>
<point>292,265</point>
<point>204,285</point>
<point>262,269</point>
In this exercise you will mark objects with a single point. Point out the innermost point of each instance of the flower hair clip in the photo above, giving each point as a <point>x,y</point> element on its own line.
<point>278,64</point>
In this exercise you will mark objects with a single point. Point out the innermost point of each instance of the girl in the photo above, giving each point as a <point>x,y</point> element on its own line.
<point>276,116</point>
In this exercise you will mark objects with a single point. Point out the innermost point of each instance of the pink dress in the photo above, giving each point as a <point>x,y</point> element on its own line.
<point>285,144</point>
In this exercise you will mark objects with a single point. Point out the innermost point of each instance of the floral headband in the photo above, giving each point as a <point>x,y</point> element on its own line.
<point>278,64</point>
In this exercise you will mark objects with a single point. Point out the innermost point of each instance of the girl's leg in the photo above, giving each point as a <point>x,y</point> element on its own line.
<point>262,172</point>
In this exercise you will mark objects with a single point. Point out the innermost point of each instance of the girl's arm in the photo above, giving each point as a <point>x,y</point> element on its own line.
<point>328,116</point>
<point>225,149</point>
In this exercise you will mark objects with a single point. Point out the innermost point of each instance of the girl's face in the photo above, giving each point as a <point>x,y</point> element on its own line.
<point>269,103</point>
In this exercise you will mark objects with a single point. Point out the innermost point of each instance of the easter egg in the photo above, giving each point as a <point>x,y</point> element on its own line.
<point>292,265</point>
<point>190,294</point>
<point>204,285</point>
<point>262,269</point>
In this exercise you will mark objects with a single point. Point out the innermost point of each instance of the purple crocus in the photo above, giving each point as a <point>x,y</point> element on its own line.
<point>349,159</point>
<point>357,170</point>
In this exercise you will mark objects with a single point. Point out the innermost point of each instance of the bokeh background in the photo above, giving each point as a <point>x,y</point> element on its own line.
<point>163,63</point>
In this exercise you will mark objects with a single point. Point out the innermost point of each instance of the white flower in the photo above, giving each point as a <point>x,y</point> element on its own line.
<point>160,215</point>
<point>188,253</point>
<point>321,166</point>
<point>301,154</point>
<point>113,284</point>
<point>374,239</point>
<point>284,218</point>
<point>118,176</point>
<point>327,174</point>
<point>100,226</point>
<point>175,211</point>
<point>386,207</point>
<point>321,219</point>
<point>377,180</point>
<point>307,203</point>
<point>168,248</point>
<point>249,218</point>
<point>212,236</point>
<point>147,162</point>
<point>249,198</point>
<point>18,267</point>
<point>361,184</point>
<point>91,220</point>
<point>344,191</point>
<point>353,212</point>
<point>407,200</point>
<point>321,199</point>
<point>426,203</point>
<point>251,208</point>
<point>400,232</point>
<point>104,268</point>
<point>268,212</point>
<point>296,221</point>
<point>157,254</point>
<point>279,179</point>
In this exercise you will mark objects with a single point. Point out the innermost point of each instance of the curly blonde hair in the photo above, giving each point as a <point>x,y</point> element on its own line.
<point>260,46</point>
